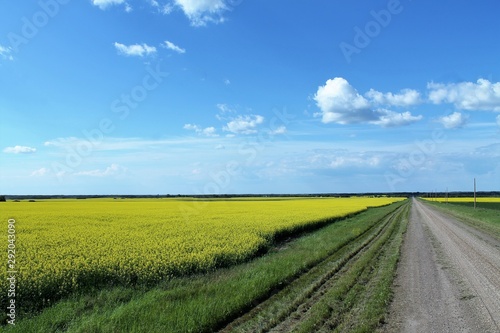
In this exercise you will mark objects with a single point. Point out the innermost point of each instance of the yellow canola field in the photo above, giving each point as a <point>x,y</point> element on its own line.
<point>65,245</point>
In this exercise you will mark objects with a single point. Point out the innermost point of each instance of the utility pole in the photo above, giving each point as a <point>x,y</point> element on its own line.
<point>474,193</point>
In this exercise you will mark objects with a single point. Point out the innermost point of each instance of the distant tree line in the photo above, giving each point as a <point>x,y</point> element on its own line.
<point>229,196</point>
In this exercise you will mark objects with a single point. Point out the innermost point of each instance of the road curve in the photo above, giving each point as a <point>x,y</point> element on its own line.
<point>448,278</point>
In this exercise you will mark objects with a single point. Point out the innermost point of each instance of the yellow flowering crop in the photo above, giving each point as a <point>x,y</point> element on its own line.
<point>67,245</point>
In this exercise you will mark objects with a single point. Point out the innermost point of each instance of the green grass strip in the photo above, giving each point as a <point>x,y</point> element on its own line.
<point>329,312</point>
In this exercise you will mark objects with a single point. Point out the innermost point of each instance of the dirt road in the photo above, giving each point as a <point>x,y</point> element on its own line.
<point>448,279</point>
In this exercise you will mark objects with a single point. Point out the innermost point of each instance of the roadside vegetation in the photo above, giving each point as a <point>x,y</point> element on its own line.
<point>485,216</point>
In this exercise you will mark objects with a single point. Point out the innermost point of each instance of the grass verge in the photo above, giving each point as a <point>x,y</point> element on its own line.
<point>485,217</point>
<point>359,299</point>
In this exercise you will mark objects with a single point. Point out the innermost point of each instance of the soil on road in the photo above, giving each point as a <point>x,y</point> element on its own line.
<point>448,278</point>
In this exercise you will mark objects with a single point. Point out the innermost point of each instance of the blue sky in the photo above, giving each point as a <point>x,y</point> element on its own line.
<point>239,96</point>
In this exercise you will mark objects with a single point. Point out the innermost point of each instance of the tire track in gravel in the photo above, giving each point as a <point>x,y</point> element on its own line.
<point>448,279</point>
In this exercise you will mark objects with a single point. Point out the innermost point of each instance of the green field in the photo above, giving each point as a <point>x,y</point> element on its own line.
<point>486,215</point>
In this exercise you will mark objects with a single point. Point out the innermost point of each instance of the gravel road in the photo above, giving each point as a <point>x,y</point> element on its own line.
<point>448,278</point>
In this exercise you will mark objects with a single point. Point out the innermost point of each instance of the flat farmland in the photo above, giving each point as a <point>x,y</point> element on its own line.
<point>69,246</point>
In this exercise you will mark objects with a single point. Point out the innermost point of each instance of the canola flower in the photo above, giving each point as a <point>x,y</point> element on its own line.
<point>68,245</point>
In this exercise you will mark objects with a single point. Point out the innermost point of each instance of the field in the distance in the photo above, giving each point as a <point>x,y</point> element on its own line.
<point>72,245</point>
<point>484,217</point>
<point>483,202</point>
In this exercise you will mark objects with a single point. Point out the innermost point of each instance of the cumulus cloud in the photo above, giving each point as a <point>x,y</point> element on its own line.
<point>40,172</point>
<point>6,53</point>
<point>341,103</point>
<point>389,118</point>
<point>482,95</point>
<point>208,131</point>
<point>454,120</point>
<point>173,47</point>
<point>244,124</point>
<point>112,170</point>
<point>138,50</point>
<point>344,159</point>
<point>279,130</point>
<point>19,150</point>
<point>224,110</point>
<point>201,12</point>
<point>103,4</point>
<point>406,97</point>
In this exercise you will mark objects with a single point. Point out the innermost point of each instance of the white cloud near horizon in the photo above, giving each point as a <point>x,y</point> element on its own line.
<point>112,170</point>
<point>341,103</point>
<point>454,120</point>
<point>40,172</point>
<point>138,50</point>
<point>19,150</point>
<point>482,95</point>
<point>208,131</point>
<point>171,46</point>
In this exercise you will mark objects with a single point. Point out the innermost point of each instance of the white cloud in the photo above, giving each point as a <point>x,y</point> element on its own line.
<point>167,9</point>
<point>103,4</point>
<point>135,49</point>
<point>341,103</point>
<point>498,120</point>
<point>208,131</point>
<point>454,120</point>
<point>173,47</point>
<point>19,150</point>
<point>6,53</point>
<point>279,130</point>
<point>407,97</point>
<point>224,109</point>
<point>482,95</point>
<point>40,172</point>
<point>112,170</point>
<point>244,124</point>
<point>201,12</point>
<point>389,118</point>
